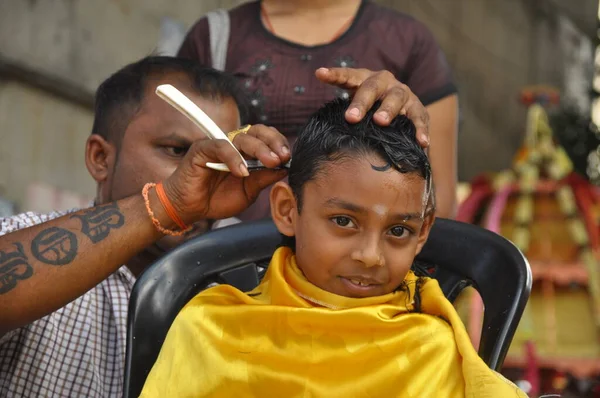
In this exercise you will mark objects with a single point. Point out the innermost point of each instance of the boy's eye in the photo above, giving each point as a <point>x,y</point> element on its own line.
<point>176,151</point>
<point>343,221</point>
<point>399,232</point>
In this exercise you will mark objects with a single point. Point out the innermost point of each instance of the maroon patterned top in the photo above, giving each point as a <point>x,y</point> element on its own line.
<point>279,75</point>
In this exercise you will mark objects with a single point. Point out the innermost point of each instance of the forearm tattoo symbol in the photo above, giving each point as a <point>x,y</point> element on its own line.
<point>98,221</point>
<point>13,267</point>
<point>55,246</point>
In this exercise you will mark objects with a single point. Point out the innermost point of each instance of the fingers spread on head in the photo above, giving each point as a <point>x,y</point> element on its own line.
<point>417,113</point>
<point>324,75</point>
<point>364,98</point>
<point>347,78</point>
<point>391,106</point>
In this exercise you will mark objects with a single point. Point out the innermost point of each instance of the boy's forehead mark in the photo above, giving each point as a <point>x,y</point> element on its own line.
<point>381,210</point>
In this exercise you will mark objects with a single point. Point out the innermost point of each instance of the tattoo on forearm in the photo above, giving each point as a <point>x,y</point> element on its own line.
<point>98,221</point>
<point>13,267</point>
<point>55,246</point>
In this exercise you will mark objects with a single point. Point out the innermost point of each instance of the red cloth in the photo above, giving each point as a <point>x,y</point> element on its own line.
<point>532,371</point>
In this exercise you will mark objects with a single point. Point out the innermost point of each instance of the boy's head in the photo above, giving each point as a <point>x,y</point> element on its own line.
<point>138,138</point>
<point>359,202</point>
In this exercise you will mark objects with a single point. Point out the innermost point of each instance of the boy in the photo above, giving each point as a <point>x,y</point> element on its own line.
<point>339,313</point>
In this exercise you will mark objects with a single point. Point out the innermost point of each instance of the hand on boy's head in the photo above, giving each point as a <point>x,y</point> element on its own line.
<point>198,192</point>
<point>396,98</point>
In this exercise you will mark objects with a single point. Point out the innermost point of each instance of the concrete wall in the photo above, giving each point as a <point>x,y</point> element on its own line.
<point>42,139</point>
<point>85,41</point>
<point>495,48</point>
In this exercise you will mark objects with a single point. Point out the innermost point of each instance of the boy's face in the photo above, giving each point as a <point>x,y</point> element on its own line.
<point>359,229</point>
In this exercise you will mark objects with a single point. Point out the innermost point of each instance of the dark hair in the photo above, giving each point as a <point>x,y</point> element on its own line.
<point>328,137</point>
<point>120,96</point>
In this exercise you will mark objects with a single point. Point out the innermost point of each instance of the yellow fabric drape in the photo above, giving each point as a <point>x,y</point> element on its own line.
<point>288,338</point>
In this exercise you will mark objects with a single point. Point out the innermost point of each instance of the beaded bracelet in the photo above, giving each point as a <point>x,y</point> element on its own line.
<point>166,203</point>
<point>164,200</point>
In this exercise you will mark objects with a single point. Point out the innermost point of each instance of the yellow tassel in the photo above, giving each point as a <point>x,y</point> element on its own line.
<point>566,200</point>
<point>520,238</point>
<point>503,179</point>
<point>578,232</point>
<point>524,210</point>
<point>529,178</point>
<point>560,165</point>
<point>546,148</point>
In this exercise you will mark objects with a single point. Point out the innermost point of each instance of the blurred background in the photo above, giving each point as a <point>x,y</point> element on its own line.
<point>510,59</point>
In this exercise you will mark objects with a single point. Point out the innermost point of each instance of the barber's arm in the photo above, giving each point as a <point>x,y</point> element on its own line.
<point>443,130</point>
<point>45,267</point>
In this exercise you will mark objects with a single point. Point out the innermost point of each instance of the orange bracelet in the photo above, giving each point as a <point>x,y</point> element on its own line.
<point>168,206</point>
<point>155,221</point>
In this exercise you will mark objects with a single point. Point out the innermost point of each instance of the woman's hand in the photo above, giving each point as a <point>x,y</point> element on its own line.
<point>368,86</point>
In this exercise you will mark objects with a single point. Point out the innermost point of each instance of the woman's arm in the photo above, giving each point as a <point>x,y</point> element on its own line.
<point>429,76</point>
<point>443,132</point>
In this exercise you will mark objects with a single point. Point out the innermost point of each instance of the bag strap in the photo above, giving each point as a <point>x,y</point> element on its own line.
<point>218,28</point>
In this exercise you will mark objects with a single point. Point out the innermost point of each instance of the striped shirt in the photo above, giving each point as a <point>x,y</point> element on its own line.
<point>76,351</point>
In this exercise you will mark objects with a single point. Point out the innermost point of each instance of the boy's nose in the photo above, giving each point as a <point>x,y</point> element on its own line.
<point>369,253</point>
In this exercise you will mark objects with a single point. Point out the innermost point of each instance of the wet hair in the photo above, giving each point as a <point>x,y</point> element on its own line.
<point>329,138</point>
<point>121,96</point>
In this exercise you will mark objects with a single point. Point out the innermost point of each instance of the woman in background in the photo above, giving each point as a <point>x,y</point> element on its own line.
<point>275,46</point>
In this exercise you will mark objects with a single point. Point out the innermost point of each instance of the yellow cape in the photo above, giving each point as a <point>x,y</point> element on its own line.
<point>288,338</point>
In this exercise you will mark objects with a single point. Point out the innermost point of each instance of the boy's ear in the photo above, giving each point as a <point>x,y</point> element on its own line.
<point>283,208</point>
<point>425,229</point>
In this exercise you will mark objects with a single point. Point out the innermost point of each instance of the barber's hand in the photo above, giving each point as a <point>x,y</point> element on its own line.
<point>198,192</point>
<point>369,87</point>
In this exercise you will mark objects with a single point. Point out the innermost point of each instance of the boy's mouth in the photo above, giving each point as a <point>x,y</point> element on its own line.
<point>360,285</point>
<point>359,282</point>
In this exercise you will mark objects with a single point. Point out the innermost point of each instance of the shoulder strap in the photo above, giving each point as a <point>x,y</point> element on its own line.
<point>218,28</point>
